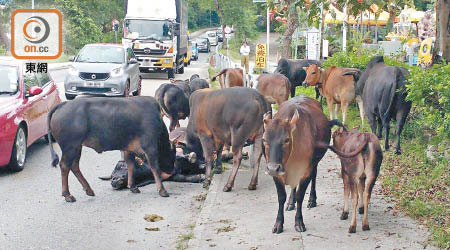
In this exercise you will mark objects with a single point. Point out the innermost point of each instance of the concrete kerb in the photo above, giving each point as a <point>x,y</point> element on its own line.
<point>206,211</point>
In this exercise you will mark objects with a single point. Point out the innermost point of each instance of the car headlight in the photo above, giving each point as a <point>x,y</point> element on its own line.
<point>73,71</point>
<point>117,72</point>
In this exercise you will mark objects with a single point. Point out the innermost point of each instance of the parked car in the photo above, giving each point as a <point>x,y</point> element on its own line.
<point>203,45</point>
<point>219,33</point>
<point>212,37</point>
<point>194,50</point>
<point>25,100</point>
<point>105,70</point>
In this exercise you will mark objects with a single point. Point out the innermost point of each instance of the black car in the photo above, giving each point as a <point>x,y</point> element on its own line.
<point>219,33</point>
<point>203,45</point>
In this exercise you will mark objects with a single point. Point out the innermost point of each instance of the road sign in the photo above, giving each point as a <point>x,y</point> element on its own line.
<point>260,56</point>
<point>227,36</point>
<point>227,30</point>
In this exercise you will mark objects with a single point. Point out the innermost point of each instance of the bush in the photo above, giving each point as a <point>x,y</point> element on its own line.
<point>429,90</point>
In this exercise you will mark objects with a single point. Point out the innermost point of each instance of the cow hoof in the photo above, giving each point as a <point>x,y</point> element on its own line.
<point>290,207</point>
<point>344,215</point>
<point>277,228</point>
<point>135,190</point>
<point>217,170</point>
<point>227,188</point>
<point>163,193</point>
<point>361,210</point>
<point>312,204</point>
<point>252,187</point>
<point>300,227</point>
<point>365,228</point>
<point>90,192</point>
<point>398,152</point>
<point>70,198</point>
<point>352,229</point>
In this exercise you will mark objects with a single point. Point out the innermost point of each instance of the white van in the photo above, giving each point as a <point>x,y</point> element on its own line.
<point>212,37</point>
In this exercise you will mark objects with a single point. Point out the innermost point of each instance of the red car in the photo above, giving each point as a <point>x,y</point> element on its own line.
<point>25,100</point>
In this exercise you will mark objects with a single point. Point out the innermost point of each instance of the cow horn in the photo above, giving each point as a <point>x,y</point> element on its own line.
<point>105,178</point>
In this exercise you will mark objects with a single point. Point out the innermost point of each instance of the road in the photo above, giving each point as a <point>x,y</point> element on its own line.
<point>34,215</point>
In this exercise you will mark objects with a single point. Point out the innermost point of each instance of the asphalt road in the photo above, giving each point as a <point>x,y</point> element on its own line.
<point>34,215</point>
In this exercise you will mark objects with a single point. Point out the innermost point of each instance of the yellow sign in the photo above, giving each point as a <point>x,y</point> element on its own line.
<point>260,56</point>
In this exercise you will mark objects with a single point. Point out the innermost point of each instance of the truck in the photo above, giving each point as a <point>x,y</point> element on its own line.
<point>156,31</point>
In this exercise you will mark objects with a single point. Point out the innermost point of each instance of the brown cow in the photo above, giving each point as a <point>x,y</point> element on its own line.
<point>233,78</point>
<point>359,172</point>
<point>336,87</point>
<point>274,87</point>
<point>295,140</point>
<point>231,116</point>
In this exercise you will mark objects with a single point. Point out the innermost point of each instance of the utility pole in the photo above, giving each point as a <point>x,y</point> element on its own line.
<point>32,4</point>
<point>344,29</point>
<point>267,39</point>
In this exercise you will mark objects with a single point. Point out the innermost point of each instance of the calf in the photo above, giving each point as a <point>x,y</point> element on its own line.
<point>174,103</point>
<point>231,116</point>
<point>132,125</point>
<point>359,172</point>
<point>230,78</point>
<point>337,86</point>
<point>295,140</point>
<point>197,83</point>
<point>274,87</point>
<point>383,91</point>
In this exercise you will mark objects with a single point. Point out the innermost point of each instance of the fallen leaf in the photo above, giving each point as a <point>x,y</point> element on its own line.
<point>131,241</point>
<point>152,228</point>
<point>366,238</point>
<point>225,229</point>
<point>295,238</point>
<point>153,217</point>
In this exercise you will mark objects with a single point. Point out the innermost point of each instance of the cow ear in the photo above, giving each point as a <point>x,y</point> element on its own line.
<point>294,119</point>
<point>267,118</point>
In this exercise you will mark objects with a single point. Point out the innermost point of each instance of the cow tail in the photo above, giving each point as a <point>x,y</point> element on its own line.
<point>349,154</point>
<point>161,99</point>
<point>391,99</point>
<point>54,155</point>
<point>335,122</point>
<point>220,73</point>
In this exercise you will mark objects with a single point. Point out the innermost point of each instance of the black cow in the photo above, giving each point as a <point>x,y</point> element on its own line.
<point>132,125</point>
<point>174,103</point>
<point>293,70</point>
<point>184,85</point>
<point>384,94</point>
<point>196,83</point>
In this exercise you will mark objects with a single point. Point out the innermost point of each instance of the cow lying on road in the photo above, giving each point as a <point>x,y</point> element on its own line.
<point>384,94</point>
<point>295,140</point>
<point>132,125</point>
<point>174,103</point>
<point>337,85</point>
<point>359,172</point>
<point>230,116</point>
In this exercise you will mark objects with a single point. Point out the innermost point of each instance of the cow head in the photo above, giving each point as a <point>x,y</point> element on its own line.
<point>313,75</point>
<point>278,142</point>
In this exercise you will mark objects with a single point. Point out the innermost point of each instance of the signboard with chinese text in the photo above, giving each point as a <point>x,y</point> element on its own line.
<point>260,56</point>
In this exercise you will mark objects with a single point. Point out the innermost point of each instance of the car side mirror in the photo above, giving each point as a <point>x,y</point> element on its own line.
<point>35,90</point>
<point>133,61</point>
<point>71,59</point>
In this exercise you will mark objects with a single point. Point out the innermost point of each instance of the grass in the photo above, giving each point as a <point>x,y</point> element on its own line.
<point>419,186</point>
<point>183,241</point>
<point>212,72</point>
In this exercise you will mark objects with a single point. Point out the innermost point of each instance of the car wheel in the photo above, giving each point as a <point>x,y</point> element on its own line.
<point>139,87</point>
<point>170,73</point>
<point>70,97</point>
<point>19,152</point>
<point>126,91</point>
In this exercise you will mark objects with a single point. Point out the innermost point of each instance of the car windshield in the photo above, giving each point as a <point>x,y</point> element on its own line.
<point>101,54</point>
<point>211,34</point>
<point>148,29</point>
<point>8,80</point>
<point>202,41</point>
